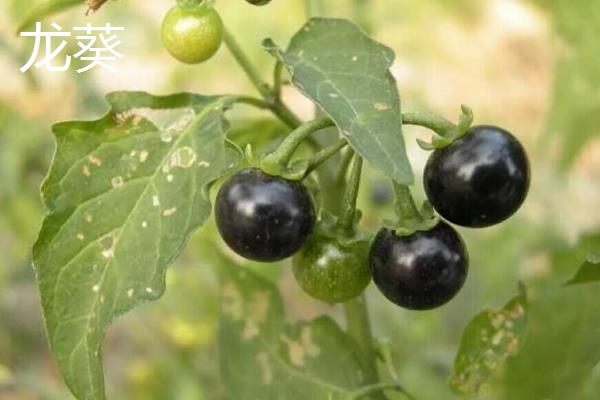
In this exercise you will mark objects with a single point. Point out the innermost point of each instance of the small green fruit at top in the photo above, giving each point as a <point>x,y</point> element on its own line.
<point>192,34</point>
<point>258,2</point>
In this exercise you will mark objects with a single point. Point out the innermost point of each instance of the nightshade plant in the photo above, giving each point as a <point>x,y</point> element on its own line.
<point>125,192</point>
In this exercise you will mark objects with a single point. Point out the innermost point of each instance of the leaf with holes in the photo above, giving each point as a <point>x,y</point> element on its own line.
<point>264,358</point>
<point>123,195</point>
<point>489,339</point>
<point>347,74</point>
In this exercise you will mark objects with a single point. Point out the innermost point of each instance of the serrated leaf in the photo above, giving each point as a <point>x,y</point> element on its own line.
<point>487,341</point>
<point>123,195</point>
<point>589,271</point>
<point>264,358</point>
<point>336,65</point>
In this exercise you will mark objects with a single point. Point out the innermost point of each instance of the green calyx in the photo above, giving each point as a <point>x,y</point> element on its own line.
<point>409,218</point>
<point>445,131</point>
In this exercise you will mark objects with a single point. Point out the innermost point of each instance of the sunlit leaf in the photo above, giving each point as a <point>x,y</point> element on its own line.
<point>123,195</point>
<point>347,74</point>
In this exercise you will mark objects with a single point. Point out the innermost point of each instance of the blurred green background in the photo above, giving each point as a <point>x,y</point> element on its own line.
<point>532,67</point>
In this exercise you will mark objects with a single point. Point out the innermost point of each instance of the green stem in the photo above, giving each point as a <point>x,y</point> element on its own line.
<point>314,8</point>
<point>247,66</point>
<point>344,165</point>
<point>285,114</point>
<point>436,123</point>
<point>360,14</point>
<point>285,151</point>
<point>346,221</point>
<point>406,209</point>
<point>275,104</point>
<point>277,72</point>
<point>359,328</point>
<point>324,155</point>
<point>253,101</point>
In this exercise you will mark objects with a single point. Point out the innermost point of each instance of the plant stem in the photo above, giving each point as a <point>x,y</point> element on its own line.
<point>275,104</point>
<point>324,155</point>
<point>360,14</point>
<point>253,101</point>
<point>247,65</point>
<point>285,151</point>
<point>277,72</point>
<point>436,123</point>
<point>314,8</point>
<point>359,328</point>
<point>346,221</point>
<point>406,209</point>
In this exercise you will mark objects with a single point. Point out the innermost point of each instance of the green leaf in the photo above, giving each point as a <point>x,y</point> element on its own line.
<point>45,9</point>
<point>561,345</point>
<point>588,272</point>
<point>487,341</point>
<point>346,73</point>
<point>264,358</point>
<point>123,195</point>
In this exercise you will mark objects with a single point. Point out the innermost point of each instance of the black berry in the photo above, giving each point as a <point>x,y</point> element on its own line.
<point>479,180</point>
<point>263,217</point>
<point>419,271</point>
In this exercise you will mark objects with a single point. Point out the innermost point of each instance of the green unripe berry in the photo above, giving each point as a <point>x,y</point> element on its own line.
<point>330,270</point>
<point>192,34</point>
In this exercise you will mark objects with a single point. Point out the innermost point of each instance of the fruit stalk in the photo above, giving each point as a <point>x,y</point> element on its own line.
<point>324,155</point>
<point>434,122</point>
<point>346,221</point>
<point>405,207</point>
<point>282,155</point>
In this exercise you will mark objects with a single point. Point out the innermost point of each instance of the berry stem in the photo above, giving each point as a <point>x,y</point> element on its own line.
<point>324,155</point>
<point>436,123</point>
<point>275,104</point>
<point>405,206</point>
<point>282,155</point>
<point>346,221</point>
<point>277,79</point>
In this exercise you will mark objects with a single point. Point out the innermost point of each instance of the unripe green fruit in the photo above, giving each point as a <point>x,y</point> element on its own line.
<point>192,34</point>
<point>330,270</point>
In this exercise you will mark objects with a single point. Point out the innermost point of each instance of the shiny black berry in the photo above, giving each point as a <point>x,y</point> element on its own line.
<point>262,217</point>
<point>479,180</point>
<point>420,271</point>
